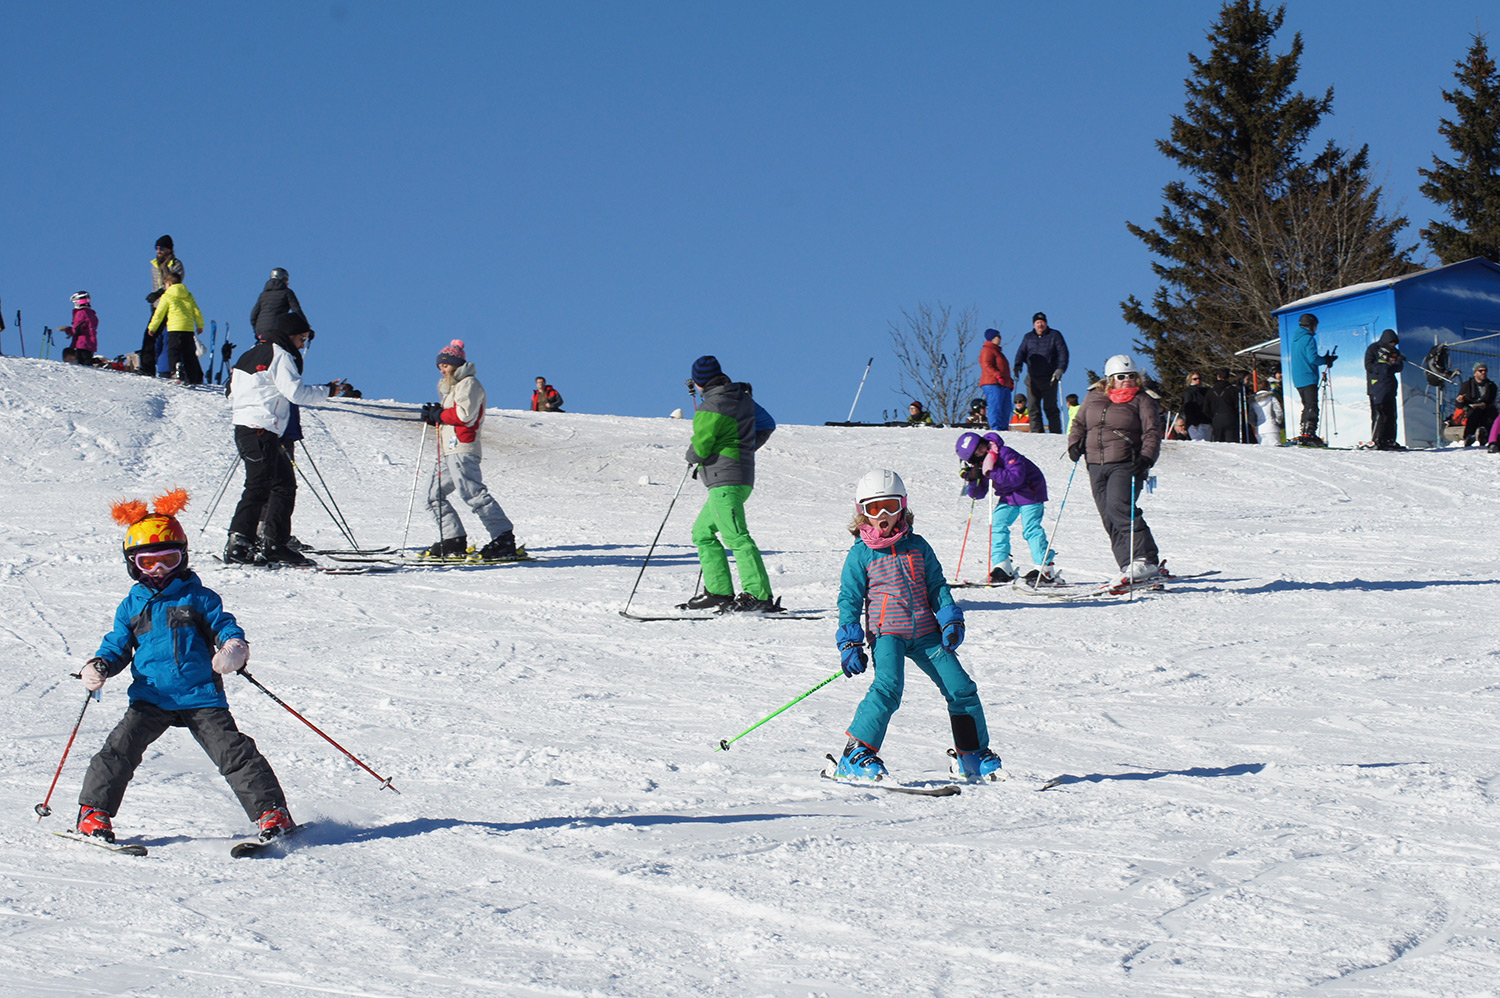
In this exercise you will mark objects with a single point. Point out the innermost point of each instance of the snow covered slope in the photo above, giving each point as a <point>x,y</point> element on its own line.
<point>1278,779</point>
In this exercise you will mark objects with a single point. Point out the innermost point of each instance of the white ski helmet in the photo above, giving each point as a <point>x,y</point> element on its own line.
<point>80,300</point>
<point>878,484</point>
<point>1120,363</point>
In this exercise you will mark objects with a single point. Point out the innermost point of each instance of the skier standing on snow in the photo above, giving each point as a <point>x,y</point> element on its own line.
<point>265,384</point>
<point>178,641</point>
<point>458,418</point>
<point>178,316</point>
<point>164,263</point>
<point>893,580</point>
<point>276,299</point>
<point>83,334</point>
<point>995,381</point>
<point>727,429</point>
<point>1119,430</point>
<point>1306,364</point>
<point>1020,491</point>
<point>1382,363</point>
<point>1046,352</point>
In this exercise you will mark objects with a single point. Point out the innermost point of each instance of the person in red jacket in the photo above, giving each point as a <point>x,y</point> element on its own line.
<point>545,398</point>
<point>995,380</point>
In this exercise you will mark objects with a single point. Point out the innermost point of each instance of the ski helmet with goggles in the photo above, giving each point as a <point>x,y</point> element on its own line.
<point>80,300</point>
<point>149,532</point>
<point>877,485</point>
<point>1120,363</point>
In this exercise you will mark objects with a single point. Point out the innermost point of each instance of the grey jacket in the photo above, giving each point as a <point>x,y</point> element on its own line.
<point>724,438</point>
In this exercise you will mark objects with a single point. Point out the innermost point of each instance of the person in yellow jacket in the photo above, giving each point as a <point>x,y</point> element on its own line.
<point>177,310</point>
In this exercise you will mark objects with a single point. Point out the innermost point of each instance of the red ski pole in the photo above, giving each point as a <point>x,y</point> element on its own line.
<point>385,782</point>
<point>42,809</point>
<point>959,567</point>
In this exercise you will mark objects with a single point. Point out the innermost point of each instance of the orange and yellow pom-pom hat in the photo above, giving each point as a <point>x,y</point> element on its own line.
<point>145,527</point>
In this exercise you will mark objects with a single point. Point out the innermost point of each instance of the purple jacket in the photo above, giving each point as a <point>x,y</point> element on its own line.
<point>1017,481</point>
<point>85,329</point>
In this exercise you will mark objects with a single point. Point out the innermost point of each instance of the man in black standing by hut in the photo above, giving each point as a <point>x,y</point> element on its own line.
<point>1044,354</point>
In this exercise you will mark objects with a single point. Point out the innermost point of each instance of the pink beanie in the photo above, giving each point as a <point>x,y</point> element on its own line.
<point>453,354</point>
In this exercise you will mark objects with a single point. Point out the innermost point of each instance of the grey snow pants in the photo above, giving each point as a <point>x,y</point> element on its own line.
<point>1111,484</point>
<point>234,752</point>
<point>461,472</point>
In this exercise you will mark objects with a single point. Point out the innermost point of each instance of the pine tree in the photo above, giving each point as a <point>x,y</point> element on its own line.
<point>1253,225</point>
<point>1469,188</point>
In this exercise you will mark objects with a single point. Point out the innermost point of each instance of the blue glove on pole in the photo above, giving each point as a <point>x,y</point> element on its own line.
<point>851,642</point>
<point>951,622</point>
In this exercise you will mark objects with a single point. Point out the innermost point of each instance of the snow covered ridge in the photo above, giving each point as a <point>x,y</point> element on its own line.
<point>1278,777</point>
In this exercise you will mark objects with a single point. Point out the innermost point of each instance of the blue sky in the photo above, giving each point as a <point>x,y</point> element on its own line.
<point>601,192</point>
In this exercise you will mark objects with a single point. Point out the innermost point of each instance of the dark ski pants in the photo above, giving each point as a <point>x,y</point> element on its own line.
<point>234,752</point>
<point>1308,396</point>
<point>147,364</point>
<point>1477,423</point>
<point>182,357</point>
<point>270,484</point>
<point>1041,393</point>
<point>1383,420</point>
<point>1112,484</point>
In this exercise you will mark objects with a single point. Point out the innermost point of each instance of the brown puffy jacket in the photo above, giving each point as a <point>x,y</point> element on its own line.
<point>1114,432</point>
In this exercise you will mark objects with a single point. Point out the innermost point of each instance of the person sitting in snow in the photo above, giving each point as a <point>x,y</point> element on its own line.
<point>893,581</point>
<point>1021,491</point>
<point>179,642</point>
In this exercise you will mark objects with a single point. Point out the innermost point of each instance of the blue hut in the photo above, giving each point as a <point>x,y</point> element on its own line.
<point>1457,306</point>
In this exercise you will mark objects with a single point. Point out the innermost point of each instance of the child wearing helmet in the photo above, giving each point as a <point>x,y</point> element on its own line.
<point>893,579</point>
<point>83,334</point>
<point>1020,491</point>
<point>178,641</point>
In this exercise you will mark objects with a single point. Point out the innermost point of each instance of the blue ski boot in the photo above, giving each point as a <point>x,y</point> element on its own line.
<point>976,766</point>
<point>859,762</point>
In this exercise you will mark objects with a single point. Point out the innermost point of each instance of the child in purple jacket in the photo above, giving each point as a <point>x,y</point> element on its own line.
<point>84,331</point>
<point>1020,491</point>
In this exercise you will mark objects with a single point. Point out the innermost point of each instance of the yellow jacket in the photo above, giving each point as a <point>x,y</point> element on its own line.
<point>178,310</point>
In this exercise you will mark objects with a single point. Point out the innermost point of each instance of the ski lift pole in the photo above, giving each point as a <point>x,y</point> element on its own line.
<point>861,389</point>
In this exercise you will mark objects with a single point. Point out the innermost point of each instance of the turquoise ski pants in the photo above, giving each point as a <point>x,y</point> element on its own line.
<point>723,516</point>
<point>888,660</point>
<point>1031,529</point>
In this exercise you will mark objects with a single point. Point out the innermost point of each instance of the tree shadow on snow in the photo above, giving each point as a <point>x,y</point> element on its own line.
<point>333,832</point>
<point>1243,769</point>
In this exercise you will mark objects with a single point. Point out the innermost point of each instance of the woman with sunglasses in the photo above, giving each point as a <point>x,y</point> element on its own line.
<point>1118,429</point>
<point>893,580</point>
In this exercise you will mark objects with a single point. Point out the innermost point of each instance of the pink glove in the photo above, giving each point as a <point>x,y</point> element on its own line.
<point>92,674</point>
<point>231,656</point>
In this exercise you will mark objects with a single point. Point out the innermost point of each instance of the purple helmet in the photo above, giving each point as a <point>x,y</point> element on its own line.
<point>967,444</point>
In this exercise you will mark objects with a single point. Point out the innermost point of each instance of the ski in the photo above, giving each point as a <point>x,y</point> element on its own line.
<point>421,561</point>
<point>1158,584</point>
<point>125,848</point>
<point>352,552</point>
<point>254,847</point>
<point>779,615</point>
<point>945,790</point>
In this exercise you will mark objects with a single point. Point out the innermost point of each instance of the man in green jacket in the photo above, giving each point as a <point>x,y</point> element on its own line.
<point>723,448</point>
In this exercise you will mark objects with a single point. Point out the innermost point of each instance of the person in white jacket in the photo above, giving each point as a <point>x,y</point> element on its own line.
<point>458,418</point>
<point>266,383</point>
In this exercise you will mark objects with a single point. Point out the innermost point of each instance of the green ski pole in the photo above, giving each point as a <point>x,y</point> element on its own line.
<point>723,745</point>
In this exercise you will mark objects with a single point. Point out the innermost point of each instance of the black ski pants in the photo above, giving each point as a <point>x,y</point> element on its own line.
<point>1041,393</point>
<point>270,485</point>
<point>1112,485</point>
<point>1308,396</point>
<point>182,356</point>
<point>234,752</point>
<point>148,354</point>
<point>1383,420</point>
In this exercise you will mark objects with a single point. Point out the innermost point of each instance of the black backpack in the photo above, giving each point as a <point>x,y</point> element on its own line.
<point>1435,365</point>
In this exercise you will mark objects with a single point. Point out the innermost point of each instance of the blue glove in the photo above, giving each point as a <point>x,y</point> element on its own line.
<point>851,642</point>
<point>951,621</point>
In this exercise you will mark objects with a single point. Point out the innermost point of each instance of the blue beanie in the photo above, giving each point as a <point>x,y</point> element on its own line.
<point>990,334</point>
<point>706,368</point>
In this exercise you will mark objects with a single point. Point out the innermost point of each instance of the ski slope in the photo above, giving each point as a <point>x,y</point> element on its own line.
<point>1280,780</point>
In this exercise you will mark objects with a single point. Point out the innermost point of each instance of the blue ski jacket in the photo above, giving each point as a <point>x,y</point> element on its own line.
<point>168,640</point>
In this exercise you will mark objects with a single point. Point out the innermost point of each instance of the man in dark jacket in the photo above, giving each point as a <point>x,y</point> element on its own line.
<point>1197,408</point>
<point>276,299</point>
<point>723,448</point>
<point>1382,362</point>
<point>1228,419</point>
<point>1044,354</point>
<point>1477,398</point>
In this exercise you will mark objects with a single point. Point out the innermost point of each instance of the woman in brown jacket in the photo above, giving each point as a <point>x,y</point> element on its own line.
<point>1118,429</point>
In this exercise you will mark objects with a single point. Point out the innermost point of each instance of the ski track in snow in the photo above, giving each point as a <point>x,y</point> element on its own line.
<point>1277,780</point>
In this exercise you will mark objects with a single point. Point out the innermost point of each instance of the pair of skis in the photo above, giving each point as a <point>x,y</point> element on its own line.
<point>240,850</point>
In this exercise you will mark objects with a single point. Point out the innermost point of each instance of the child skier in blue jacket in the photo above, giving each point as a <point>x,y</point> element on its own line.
<point>178,641</point>
<point>892,576</point>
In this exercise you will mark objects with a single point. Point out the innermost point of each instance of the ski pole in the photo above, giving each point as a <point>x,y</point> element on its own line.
<point>1060,507</point>
<point>861,388</point>
<point>1130,576</point>
<point>958,569</point>
<point>341,521</point>
<point>411,504</point>
<point>21,332</point>
<point>659,529</point>
<point>385,781</point>
<point>723,745</point>
<point>310,487</point>
<point>42,809</point>
<point>213,346</point>
<point>223,487</point>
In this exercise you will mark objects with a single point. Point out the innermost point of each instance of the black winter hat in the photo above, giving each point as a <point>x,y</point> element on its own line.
<point>165,241</point>
<point>1308,321</point>
<point>706,368</point>
<point>1039,315</point>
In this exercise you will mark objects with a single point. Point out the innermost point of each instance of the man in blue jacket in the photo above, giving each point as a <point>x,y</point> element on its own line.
<point>1305,365</point>
<point>1044,354</point>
